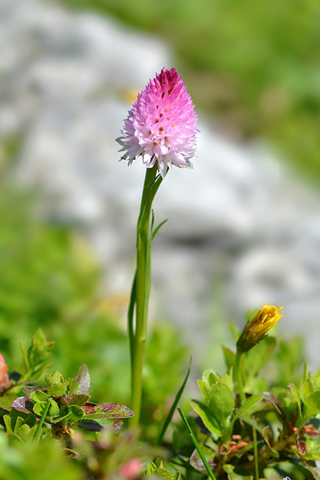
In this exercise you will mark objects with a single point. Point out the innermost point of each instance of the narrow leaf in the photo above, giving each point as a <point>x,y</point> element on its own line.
<point>247,405</point>
<point>207,417</point>
<point>296,395</point>
<point>196,444</point>
<point>173,407</point>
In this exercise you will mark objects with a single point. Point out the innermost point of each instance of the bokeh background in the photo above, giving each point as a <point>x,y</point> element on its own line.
<point>244,225</point>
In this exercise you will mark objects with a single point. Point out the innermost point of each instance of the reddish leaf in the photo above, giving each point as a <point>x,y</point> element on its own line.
<point>83,379</point>
<point>106,410</point>
<point>302,447</point>
<point>275,402</point>
<point>267,435</point>
<point>97,425</point>
<point>22,404</point>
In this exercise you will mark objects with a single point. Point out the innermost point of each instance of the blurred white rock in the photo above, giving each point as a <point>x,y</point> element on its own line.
<point>242,230</point>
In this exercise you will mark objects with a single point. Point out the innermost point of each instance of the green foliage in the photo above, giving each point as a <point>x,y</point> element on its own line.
<point>33,461</point>
<point>161,472</point>
<point>285,419</point>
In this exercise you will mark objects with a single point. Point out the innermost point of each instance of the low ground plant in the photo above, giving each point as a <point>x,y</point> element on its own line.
<point>258,418</point>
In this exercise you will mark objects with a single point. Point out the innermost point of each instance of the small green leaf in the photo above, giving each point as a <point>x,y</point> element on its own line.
<point>39,350</point>
<point>307,387</point>
<point>78,400</point>
<point>7,422</point>
<point>56,389</point>
<point>49,380</point>
<point>205,389</point>
<point>210,377</point>
<point>221,401</point>
<point>23,432</point>
<point>229,357</point>
<point>196,461</point>
<point>206,416</point>
<point>236,473</point>
<point>81,384</point>
<point>106,410</point>
<point>227,379</point>
<point>57,377</point>
<point>25,358</point>
<point>156,230</point>
<point>163,473</point>
<point>312,403</point>
<point>176,476</point>
<point>40,407</point>
<point>316,380</point>
<point>38,396</point>
<point>151,468</point>
<point>247,405</point>
<point>76,413</point>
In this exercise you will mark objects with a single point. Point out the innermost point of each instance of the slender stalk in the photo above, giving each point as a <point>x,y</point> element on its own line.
<point>141,292</point>
<point>237,376</point>
<point>255,449</point>
<point>42,419</point>
<point>196,444</point>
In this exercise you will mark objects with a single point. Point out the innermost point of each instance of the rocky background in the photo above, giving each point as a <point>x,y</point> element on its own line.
<point>242,231</point>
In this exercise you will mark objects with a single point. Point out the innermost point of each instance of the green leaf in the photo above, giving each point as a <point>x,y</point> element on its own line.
<point>76,413</point>
<point>221,401</point>
<point>40,407</point>
<point>78,400</point>
<point>151,468</point>
<point>210,377</point>
<point>106,410</point>
<point>25,358</point>
<point>206,416</point>
<point>156,230</point>
<point>196,444</point>
<point>176,476</point>
<point>38,396</point>
<point>316,380</point>
<point>81,384</point>
<point>247,405</point>
<point>236,473</point>
<point>196,461</point>
<point>173,406</point>
<point>205,390</point>
<point>229,357</point>
<point>307,387</point>
<point>57,377</point>
<point>40,349</point>
<point>56,389</point>
<point>7,422</point>
<point>312,403</point>
<point>296,395</point>
<point>227,379</point>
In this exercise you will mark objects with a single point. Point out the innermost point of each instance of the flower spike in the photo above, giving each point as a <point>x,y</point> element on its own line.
<point>161,126</point>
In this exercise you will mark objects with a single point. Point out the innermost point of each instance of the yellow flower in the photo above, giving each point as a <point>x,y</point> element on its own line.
<point>257,328</point>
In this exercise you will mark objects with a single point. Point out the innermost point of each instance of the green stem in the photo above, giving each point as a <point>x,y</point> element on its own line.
<point>142,290</point>
<point>255,449</point>
<point>196,444</point>
<point>237,376</point>
<point>42,419</point>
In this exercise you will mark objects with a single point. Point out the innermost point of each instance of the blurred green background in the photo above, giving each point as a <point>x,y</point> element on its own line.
<point>253,64</point>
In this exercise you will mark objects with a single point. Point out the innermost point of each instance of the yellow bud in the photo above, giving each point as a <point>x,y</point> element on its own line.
<point>257,328</point>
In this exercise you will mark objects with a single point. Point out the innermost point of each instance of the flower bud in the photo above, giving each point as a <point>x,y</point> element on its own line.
<point>257,328</point>
<point>4,377</point>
